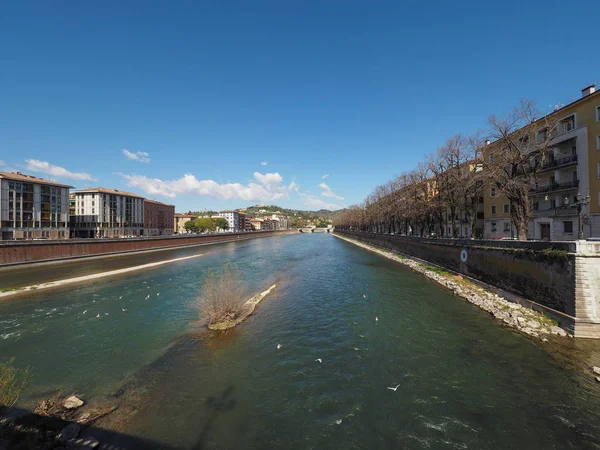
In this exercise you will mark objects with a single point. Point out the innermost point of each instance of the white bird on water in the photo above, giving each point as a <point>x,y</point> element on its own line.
<point>85,311</point>
<point>97,315</point>
<point>376,319</point>
<point>123,309</point>
<point>120,297</point>
<point>279,346</point>
<point>106,314</point>
<point>339,421</point>
<point>364,296</point>
<point>319,360</point>
<point>157,294</point>
<point>393,389</point>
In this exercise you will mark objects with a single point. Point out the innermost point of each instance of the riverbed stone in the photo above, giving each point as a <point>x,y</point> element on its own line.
<point>596,370</point>
<point>71,431</point>
<point>533,324</point>
<point>73,402</point>
<point>85,443</point>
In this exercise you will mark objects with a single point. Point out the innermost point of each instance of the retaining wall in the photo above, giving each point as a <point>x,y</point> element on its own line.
<point>560,276</point>
<point>15,252</point>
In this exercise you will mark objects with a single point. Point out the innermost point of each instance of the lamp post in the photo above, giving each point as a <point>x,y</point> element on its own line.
<point>581,202</point>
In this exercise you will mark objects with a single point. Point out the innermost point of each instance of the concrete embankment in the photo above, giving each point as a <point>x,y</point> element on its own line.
<point>562,279</point>
<point>15,253</point>
<point>246,309</point>
<point>512,314</point>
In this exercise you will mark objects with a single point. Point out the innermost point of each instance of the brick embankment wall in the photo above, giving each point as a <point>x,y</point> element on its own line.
<point>28,252</point>
<point>539,271</point>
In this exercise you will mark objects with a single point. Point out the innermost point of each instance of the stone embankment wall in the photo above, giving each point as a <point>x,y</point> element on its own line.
<point>563,277</point>
<point>15,252</point>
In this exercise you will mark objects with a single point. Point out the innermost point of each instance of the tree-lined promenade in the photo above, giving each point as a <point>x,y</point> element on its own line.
<point>447,188</point>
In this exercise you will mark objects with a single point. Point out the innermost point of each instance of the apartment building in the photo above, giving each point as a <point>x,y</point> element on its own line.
<point>33,208</point>
<point>570,173</point>
<point>179,221</point>
<point>158,218</point>
<point>233,219</point>
<point>102,212</point>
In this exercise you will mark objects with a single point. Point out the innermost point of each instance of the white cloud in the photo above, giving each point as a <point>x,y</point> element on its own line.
<point>268,179</point>
<point>35,165</point>
<point>138,156</point>
<point>324,177</point>
<point>269,189</point>
<point>294,187</point>
<point>264,163</point>
<point>314,202</point>
<point>327,192</point>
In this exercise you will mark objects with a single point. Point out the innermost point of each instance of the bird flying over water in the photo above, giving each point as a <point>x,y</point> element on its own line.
<point>97,315</point>
<point>339,421</point>
<point>85,311</point>
<point>393,389</point>
<point>376,319</point>
<point>123,309</point>
<point>319,360</point>
<point>279,346</point>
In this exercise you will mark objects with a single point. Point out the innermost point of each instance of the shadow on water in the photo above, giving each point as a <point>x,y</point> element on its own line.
<point>28,430</point>
<point>216,406</point>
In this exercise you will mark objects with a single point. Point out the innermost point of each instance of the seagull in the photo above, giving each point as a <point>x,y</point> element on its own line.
<point>338,421</point>
<point>364,296</point>
<point>361,335</point>
<point>169,279</point>
<point>393,389</point>
<point>123,309</point>
<point>106,314</point>
<point>120,297</point>
<point>376,319</point>
<point>319,360</point>
<point>279,346</point>
<point>157,294</point>
<point>356,348</point>
<point>97,315</point>
<point>85,311</point>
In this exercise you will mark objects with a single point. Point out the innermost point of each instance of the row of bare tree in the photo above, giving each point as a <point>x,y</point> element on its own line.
<point>447,188</point>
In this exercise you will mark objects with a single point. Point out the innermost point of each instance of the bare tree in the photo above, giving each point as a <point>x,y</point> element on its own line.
<point>521,144</point>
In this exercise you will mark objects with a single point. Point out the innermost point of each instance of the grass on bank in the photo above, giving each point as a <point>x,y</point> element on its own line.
<point>12,383</point>
<point>222,295</point>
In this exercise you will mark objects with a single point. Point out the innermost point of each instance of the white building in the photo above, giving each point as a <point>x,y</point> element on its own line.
<point>101,212</point>
<point>233,219</point>
<point>32,207</point>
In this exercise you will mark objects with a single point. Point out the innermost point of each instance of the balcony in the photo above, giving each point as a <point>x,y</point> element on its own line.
<point>558,163</point>
<point>562,211</point>
<point>555,187</point>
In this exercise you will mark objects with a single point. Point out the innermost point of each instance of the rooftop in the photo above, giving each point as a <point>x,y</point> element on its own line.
<point>189,216</point>
<point>157,203</point>
<point>18,176</point>
<point>107,191</point>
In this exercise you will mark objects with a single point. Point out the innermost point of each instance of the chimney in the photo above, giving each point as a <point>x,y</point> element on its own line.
<point>588,90</point>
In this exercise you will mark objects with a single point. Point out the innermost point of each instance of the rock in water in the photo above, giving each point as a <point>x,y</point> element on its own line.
<point>596,370</point>
<point>71,431</point>
<point>73,402</point>
<point>82,443</point>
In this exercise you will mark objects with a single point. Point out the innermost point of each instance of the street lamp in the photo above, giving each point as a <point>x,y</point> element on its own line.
<point>581,202</point>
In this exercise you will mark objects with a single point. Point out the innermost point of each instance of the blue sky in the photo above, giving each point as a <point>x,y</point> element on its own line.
<point>305,104</point>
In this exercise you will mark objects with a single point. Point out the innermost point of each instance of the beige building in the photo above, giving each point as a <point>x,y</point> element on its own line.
<point>570,173</point>
<point>33,208</point>
<point>102,212</point>
<point>179,222</point>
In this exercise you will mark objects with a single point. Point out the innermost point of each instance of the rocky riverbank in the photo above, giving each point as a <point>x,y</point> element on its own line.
<point>246,309</point>
<point>512,314</point>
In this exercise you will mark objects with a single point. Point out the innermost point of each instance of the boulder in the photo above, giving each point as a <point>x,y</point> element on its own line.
<point>73,402</point>
<point>533,324</point>
<point>596,370</point>
<point>71,431</point>
<point>82,443</point>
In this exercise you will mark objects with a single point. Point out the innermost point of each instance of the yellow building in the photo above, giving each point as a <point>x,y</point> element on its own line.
<point>180,220</point>
<point>569,174</point>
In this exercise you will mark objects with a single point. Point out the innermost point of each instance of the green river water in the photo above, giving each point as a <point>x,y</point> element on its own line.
<point>464,381</point>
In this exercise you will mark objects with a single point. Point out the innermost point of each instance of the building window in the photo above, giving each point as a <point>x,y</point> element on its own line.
<point>598,113</point>
<point>492,192</point>
<point>598,142</point>
<point>493,210</point>
<point>506,208</point>
<point>598,170</point>
<point>506,226</point>
<point>493,226</point>
<point>567,124</point>
<point>568,226</point>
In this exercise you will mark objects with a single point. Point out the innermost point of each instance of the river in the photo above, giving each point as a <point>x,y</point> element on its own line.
<point>464,381</point>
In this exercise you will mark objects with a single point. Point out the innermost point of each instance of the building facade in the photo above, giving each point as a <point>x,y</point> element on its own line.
<point>179,221</point>
<point>158,218</point>
<point>33,208</point>
<point>102,212</point>
<point>233,220</point>
<point>570,172</point>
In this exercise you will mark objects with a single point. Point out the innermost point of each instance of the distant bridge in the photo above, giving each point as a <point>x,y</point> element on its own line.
<point>315,230</point>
